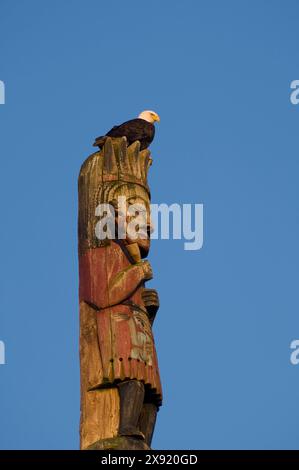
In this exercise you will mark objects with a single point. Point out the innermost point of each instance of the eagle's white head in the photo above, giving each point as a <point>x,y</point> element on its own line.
<point>149,116</point>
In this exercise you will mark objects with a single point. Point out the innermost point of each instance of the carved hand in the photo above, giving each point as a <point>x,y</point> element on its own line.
<point>150,297</point>
<point>147,269</point>
<point>151,301</point>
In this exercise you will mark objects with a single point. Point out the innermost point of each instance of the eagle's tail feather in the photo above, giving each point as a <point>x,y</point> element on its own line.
<point>99,141</point>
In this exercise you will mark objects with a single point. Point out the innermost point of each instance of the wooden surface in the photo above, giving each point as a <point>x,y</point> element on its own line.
<point>116,311</point>
<point>99,407</point>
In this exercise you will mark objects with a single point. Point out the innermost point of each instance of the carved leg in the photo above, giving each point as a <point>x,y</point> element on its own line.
<point>131,395</point>
<point>147,421</point>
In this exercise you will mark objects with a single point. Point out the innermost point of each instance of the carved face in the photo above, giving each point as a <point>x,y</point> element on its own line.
<point>138,210</point>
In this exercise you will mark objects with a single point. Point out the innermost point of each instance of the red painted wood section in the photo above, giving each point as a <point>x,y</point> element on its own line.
<point>113,284</point>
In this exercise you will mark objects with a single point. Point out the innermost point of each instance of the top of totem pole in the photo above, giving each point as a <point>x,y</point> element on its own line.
<point>118,162</point>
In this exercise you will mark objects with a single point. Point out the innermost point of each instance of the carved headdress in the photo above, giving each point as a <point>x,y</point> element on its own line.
<point>117,162</point>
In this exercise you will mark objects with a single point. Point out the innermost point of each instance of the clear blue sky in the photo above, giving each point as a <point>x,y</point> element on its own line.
<point>219,75</point>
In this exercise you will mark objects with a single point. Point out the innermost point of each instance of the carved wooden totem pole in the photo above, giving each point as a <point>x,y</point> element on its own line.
<point>120,383</point>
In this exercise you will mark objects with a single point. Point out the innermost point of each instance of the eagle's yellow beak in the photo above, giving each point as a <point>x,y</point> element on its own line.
<point>157,118</point>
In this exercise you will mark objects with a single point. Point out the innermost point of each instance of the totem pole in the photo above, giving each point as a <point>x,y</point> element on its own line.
<point>120,383</point>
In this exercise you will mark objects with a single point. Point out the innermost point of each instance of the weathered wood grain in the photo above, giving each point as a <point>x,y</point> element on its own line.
<point>99,407</point>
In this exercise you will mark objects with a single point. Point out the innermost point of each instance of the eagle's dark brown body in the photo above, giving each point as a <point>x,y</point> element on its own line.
<point>135,129</point>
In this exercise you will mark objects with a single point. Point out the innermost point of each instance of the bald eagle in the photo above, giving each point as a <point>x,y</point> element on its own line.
<point>141,128</point>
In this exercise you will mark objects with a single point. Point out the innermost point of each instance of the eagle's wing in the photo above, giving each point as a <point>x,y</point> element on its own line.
<point>135,129</point>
